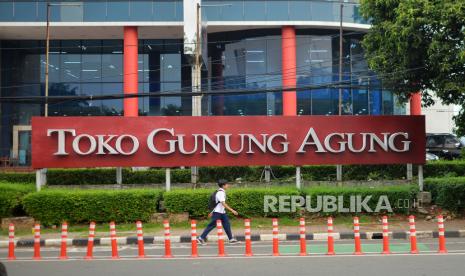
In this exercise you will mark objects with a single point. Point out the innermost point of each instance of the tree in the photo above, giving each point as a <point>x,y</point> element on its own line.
<point>418,45</point>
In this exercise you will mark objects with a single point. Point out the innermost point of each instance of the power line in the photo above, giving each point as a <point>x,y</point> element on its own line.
<point>213,61</point>
<point>361,58</point>
<point>331,85</point>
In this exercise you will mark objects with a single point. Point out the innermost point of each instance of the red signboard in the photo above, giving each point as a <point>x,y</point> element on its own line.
<point>73,142</point>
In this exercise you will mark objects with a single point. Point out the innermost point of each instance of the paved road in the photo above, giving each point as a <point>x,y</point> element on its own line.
<point>262,264</point>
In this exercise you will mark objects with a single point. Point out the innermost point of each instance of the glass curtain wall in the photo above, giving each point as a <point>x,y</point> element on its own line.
<point>92,11</point>
<point>254,62</point>
<point>88,68</point>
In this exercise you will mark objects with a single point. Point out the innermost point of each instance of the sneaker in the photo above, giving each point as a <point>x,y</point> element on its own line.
<point>233,241</point>
<point>200,241</point>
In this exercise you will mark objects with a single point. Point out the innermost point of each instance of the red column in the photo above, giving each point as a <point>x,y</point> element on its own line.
<point>415,103</point>
<point>289,70</point>
<point>130,77</point>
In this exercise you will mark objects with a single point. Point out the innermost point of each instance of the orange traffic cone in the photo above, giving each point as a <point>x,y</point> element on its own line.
<point>219,229</point>
<point>64,240</point>
<point>248,238</point>
<point>330,237</point>
<point>11,242</point>
<point>441,236</point>
<point>37,242</point>
<point>385,236</point>
<point>140,240</point>
<point>358,244</point>
<point>166,225</point>
<point>413,235</point>
<point>114,244</point>
<point>275,237</point>
<point>303,240</point>
<point>90,242</point>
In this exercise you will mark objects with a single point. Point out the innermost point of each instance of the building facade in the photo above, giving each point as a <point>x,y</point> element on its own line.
<point>247,44</point>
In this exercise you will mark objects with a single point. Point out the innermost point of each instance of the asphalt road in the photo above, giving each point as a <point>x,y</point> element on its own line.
<point>262,264</point>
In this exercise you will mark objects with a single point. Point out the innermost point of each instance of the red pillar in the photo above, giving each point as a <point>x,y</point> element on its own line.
<point>130,77</point>
<point>289,70</point>
<point>415,103</point>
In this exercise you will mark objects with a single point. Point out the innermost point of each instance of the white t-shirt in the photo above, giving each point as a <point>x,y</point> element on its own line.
<point>220,197</point>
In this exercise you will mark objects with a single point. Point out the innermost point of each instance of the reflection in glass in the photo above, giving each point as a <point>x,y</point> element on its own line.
<point>277,10</point>
<point>254,10</point>
<point>95,11</point>
<point>117,10</point>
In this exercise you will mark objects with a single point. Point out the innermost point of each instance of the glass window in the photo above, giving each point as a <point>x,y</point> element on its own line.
<point>213,12</point>
<point>451,141</point>
<point>322,11</point>
<point>170,68</point>
<point>322,103</point>
<point>53,66</point>
<point>375,101</point>
<point>234,11</point>
<point>73,12</point>
<point>170,106</point>
<point>71,68</point>
<point>143,101</point>
<point>273,54</point>
<point>25,11</point>
<point>256,58</point>
<point>91,67</point>
<point>91,107</point>
<point>360,101</point>
<point>118,11</point>
<point>254,10</point>
<point>112,107</point>
<point>399,109</point>
<point>95,11</point>
<point>299,10</point>
<point>112,67</point>
<point>141,10</point>
<point>179,10</point>
<point>304,98</point>
<point>112,61</point>
<point>303,51</point>
<point>277,10</point>
<point>434,141</point>
<point>6,11</point>
<point>388,103</point>
<point>348,13</point>
<point>164,10</point>
<point>71,108</point>
<point>143,67</point>
<point>92,46</point>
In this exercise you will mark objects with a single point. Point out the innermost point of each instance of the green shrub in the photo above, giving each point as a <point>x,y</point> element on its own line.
<point>247,201</point>
<point>395,195</point>
<point>11,198</point>
<point>212,174</point>
<point>82,206</point>
<point>17,177</point>
<point>155,176</point>
<point>448,193</point>
<point>81,176</point>
<point>444,168</point>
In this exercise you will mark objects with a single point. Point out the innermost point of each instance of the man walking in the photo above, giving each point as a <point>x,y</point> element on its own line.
<point>219,213</point>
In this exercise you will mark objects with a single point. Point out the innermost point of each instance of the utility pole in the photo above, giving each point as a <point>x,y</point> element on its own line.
<point>197,75</point>
<point>47,52</point>
<point>41,174</point>
<point>47,48</point>
<point>196,86</point>
<point>341,49</point>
